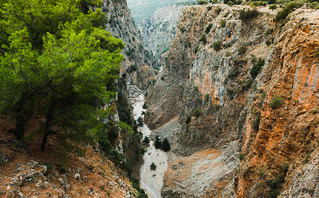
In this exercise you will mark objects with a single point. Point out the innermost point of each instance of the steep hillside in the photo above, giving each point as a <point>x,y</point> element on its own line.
<point>239,99</point>
<point>139,62</point>
<point>158,31</point>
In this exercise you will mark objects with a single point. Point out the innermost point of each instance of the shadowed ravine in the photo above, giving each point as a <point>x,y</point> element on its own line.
<point>150,180</point>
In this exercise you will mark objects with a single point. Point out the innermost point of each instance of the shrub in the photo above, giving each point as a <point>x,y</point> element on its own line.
<point>203,39</point>
<point>218,10</point>
<point>207,30</point>
<point>201,2</point>
<point>282,15</point>
<point>276,101</point>
<point>140,122</point>
<point>241,156</point>
<point>273,7</point>
<point>256,123</point>
<point>242,50</point>
<point>144,106</point>
<point>217,45</point>
<point>246,15</point>
<point>197,112</point>
<point>306,160</point>
<point>196,49</point>
<point>246,85</point>
<point>153,166</point>
<point>142,150</point>
<point>268,42</point>
<point>165,145</point>
<point>257,68</point>
<point>188,119</point>
<point>223,23</point>
<point>146,140</point>
<point>158,143</point>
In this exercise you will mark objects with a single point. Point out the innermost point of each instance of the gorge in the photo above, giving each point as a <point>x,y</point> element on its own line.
<point>233,88</point>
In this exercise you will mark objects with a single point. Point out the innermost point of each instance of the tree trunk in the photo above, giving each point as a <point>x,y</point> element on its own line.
<point>20,120</point>
<point>47,130</point>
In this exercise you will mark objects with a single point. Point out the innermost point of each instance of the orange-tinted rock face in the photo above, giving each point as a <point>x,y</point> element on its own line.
<point>221,103</point>
<point>287,134</point>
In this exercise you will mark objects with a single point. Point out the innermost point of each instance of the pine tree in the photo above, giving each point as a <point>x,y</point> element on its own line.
<point>63,71</point>
<point>165,145</point>
<point>158,143</point>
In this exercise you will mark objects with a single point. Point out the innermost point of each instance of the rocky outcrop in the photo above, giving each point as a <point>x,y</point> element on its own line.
<point>158,31</point>
<point>89,176</point>
<point>138,62</point>
<point>247,80</point>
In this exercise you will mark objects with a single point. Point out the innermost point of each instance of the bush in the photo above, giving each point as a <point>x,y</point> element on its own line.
<point>203,39</point>
<point>188,119</point>
<point>276,101</point>
<point>197,112</point>
<point>142,150</point>
<point>257,68</point>
<point>165,145</point>
<point>306,160</point>
<point>256,123</point>
<point>146,140</point>
<point>268,42</point>
<point>218,10</point>
<point>217,45</point>
<point>273,7</point>
<point>158,143</point>
<point>241,156</point>
<point>144,106</point>
<point>196,49</point>
<point>207,30</point>
<point>140,122</point>
<point>153,166</point>
<point>242,50</point>
<point>201,2</point>
<point>246,15</point>
<point>282,15</point>
<point>246,85</point>
<point>223,23</point>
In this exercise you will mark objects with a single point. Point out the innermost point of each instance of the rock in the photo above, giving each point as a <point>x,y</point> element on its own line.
<point>77,176</point>
<point>3,192</point>
<point>32,164</point>
<point>61,181</point>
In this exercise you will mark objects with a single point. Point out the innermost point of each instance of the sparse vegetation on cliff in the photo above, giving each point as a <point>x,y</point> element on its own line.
<point>217,45</point>
<point>276,101</point>
<point>248,14</point>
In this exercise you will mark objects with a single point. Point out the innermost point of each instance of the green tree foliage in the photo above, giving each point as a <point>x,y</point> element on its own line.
<point>257,68</point>
<point>158,143</point>
<point>57,62</point>
<point>165,145</point>
<point>153,166</point>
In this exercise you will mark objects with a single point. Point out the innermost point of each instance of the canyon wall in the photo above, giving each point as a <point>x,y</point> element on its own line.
<point>158,31</point>
<point>138,63</point>
<point>238,98</point>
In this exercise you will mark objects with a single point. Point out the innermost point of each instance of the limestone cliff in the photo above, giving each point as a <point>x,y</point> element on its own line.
<point>158,31</point>
<point>139,62</point>
<point>238,98</point>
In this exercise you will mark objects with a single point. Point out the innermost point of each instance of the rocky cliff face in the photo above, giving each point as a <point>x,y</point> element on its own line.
<point>139,62</point>
<point>158,31</point>
<point>238,98</point>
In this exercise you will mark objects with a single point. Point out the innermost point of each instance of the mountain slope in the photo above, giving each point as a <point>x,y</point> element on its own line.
<point>247,89</point>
